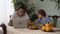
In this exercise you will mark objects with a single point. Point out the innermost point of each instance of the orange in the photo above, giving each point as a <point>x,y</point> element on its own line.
<point>43,28</point>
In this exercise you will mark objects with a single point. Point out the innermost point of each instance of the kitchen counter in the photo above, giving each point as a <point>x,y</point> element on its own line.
<point>12,30</point>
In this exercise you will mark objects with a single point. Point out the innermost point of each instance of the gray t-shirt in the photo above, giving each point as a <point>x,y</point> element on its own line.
<point>15,16</point>
<point>19,21</point>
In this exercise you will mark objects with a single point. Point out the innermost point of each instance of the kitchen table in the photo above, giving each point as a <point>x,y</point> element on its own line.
<point>12,30</point>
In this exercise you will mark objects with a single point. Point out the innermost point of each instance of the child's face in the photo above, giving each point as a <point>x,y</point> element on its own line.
<point>21,12</point>
<point>39,16</point>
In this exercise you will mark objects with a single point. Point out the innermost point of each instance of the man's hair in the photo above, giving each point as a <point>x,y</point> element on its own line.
<point>42,12</point>
<point>22,6</point>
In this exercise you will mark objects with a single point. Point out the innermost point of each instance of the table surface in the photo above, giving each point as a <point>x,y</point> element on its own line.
<point>12,30</point>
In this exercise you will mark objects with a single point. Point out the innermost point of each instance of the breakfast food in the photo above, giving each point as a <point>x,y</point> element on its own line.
<point>48,27</point>
<point>33,27</point>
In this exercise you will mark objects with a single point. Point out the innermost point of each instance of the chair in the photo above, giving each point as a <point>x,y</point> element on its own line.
<point>4,28</point>
<point>55,18</point>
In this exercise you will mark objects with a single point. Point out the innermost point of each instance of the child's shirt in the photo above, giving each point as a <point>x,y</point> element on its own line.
<point>47,19</point>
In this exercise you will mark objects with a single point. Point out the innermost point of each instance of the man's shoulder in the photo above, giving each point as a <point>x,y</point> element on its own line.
<point>15,13</point>
<point>26,16</point>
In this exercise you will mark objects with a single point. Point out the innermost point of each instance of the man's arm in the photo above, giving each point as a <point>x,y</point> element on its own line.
<point>28,21</point>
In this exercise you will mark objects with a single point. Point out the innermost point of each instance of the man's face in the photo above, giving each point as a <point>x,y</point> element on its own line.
<point>21,12</point>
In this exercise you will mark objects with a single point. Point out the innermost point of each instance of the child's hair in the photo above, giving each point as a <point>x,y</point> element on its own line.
<point>42,12</point>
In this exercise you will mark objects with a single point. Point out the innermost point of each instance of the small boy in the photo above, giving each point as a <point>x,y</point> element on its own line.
<point>42,19</point>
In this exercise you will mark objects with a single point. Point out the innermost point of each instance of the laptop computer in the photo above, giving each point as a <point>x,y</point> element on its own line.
<point>19,23</point>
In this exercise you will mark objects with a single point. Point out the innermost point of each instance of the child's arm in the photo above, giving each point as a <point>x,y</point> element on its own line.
<point>41,25</point>
<point>51,23</point>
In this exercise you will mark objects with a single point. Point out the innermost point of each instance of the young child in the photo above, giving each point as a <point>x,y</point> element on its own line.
<point>42,19</point>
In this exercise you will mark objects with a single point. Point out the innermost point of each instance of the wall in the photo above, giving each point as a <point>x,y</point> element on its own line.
<point>48,6</point>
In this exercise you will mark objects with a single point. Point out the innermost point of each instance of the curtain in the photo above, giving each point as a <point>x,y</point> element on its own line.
<point>6,9</point>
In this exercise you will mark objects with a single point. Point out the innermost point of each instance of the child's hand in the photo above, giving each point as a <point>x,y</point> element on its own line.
<point>41,25</point>
<point>51,23</point>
